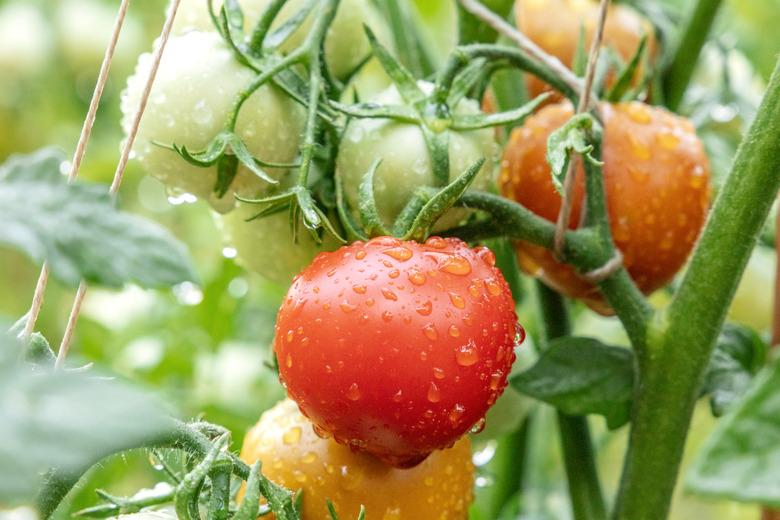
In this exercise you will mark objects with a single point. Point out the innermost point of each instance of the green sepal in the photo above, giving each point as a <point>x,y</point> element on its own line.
<point>401,77</point>
<point>400,113</point>
<point>441,202</point>
<point>439,152</point>
<point>278,36</point>
<point>477,121</point>
<point>580,62</point>
<point>188,490</point>
<point>369,215</point>
<point>465,81</point>
<point>351,227</point>
<point>623,84</point>
<point>250,506</point>
<point>410,44</point>
<point>574,137</point>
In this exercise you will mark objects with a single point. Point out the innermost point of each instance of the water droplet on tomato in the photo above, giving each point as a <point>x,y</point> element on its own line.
<point>457,300</point>
<point>495,380</point>
<point>347,307</point>
<point>398,396</point>
<point>438,373</point>
<point>493,287</point>
<point>350,477</point>
<point>389,294</point>
<point>387,316</point>
<point>289,336</point>
<point>456,264</point>
<point>353,392</point>
<point>321,432</point>
<point>487,256</point>
<point>478,427</point>
<point>385,241</point>
<point>288,361</point>
<point>292,436</point>
<point>434,394</point>
<point>454,331</point>
<point>519,334</point>
<point>359,288</point>
<point>467,355</point>
<point>400,253</point>
<point>430,332</point>
<point>456,414</point>
<point>416,277</point>
<point>436,242</point>
<point>360,255</point>
<point>425,308</point>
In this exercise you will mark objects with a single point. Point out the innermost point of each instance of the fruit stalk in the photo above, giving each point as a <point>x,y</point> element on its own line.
<point>587,500</point>
<point>680,69</point>
<point>680,339</point>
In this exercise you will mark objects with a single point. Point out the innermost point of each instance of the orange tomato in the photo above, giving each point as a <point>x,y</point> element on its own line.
<point>555,25</point>
<point>656,177</point>
<point>439,488</point>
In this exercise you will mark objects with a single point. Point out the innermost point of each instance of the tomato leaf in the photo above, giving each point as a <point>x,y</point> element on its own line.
<point>410,43</point>
<point>401,77</point>
<point>580,62</point>
<point>581,376</point>
<point>369,215</point>
<point>627,74</point>
<point>739,354</point>
<point>79,231</point>
<point>65,420</point>
<point>477,121</point>
<point>739,460</point>
<point>281,34</point>
<point>573,137</point>
<point>400,113</point>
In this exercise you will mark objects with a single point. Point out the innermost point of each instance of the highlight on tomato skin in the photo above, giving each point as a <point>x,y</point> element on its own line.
<point>656,177</point>
<point>397,348</point>
<point>292,455</point>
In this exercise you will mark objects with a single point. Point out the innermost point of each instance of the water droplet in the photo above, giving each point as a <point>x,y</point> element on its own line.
<point>423,355</point>
<point>424,308</point>
<point>430,332</point>
<point>347,307</point>
<point>436,242</point>
<point>288,361</point>
<point>389,294</point>
<point>385,241</point>
<point>456,264</point>
<point>321,432</point>
<point>434,394</point>
<point>519,334</point>
<point>398,396</point>
<point>467,355</point>
<point>359,288</point>
<point>487,256</point>
<point>457,300</point>
<point>474,289</point>
<point>639,113</point>
<point>353,392</point>
<point>495,380</point>
<point>400,253</point>
<point>369,302</point>
<point>416,277</point>
<point>456,414</point>
<point>394,273</point>
<point>292,436</point>
<point>289,336</point>
<point>478,427</point>
<point>360,255</point>
<point>668,140</point>
<point>438,373</point>
<point>493,287</point>
<point>350,477</point>
<point>387,316</point>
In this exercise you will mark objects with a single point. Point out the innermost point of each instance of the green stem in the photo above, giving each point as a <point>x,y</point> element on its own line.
<point>679,72</point>
<point>681,339</point>
<point>587,500</point>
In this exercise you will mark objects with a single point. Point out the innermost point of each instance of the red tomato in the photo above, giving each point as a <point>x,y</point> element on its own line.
<point>397,348</point>
<point>656,177</point>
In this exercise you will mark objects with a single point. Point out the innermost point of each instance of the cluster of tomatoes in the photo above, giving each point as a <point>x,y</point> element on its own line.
<point>392,350</point>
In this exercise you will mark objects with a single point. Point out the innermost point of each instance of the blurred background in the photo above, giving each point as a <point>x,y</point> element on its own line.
<point>205,348</point>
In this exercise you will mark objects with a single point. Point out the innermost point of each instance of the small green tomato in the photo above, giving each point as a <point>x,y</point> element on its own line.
<point>194,92</point>
<point>265,245</point>
<point>406,163</point>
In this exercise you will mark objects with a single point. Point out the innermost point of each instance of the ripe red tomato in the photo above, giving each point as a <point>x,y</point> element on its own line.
<point>294,457</point>
<point>397,348</point>
<point>555,25</point>
<point>656,176</point>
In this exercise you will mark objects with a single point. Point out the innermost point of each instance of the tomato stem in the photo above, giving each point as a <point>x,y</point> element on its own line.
<point>681,338</point>
<point>587,500</point>
<point>680,70</point>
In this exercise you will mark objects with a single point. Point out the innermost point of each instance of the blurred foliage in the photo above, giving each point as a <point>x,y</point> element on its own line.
<point>185,342</point>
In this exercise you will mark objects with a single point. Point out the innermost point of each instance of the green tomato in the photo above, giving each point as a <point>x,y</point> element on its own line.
<point>406,163</point>
<point>195,89</point>
<point>753,302</point>
<point>345,45</point>
<point>266,246</point>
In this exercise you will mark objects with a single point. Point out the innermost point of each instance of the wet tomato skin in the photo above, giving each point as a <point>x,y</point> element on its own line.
<point>656,177</point>
<point>295,457</point>
<point>397,348</point>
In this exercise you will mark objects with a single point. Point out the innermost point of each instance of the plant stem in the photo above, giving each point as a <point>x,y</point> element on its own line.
<point>679,72</point>
<point>681,339</point>
<point>587,500</point>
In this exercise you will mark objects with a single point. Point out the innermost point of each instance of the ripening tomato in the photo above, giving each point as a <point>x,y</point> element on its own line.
<point>555,25</point>
<point>656,177</point>
<point>346,44</point>
<point>295,457</point>
<point>266,246</point>
<point>406,163</point>
<point>397,348</point>
<point>194,91</point>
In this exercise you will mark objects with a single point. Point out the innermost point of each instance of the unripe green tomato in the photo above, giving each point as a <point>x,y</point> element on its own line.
<point>753,302</point>
<point>406,163</point>
<point>265,245</point>
<point>345,45</point>
<point>194,92</point>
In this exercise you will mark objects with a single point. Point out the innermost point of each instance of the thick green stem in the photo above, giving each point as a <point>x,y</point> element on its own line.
<point>587,500</point>
<point>681,339</point>
<point>680,70</point>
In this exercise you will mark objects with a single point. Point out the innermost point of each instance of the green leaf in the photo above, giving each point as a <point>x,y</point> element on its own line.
<point>741,459</point>
<point>402,78</point>
<point>477,121</point>
<point>65,420</point>
<point>413,50</point>
<point>580,63</point>
<point>281,34</point>
<point>626,77</point>
<point>400,113</point>
<point>739,354</point>
<point>369,215</point>
<point>581,376</point>
<point>573,137</point>
<point>440,203</point>
<point>78,230</point>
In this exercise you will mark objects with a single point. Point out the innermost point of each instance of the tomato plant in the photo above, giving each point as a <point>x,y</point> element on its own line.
<point>294,456</point>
